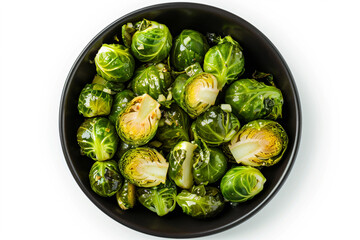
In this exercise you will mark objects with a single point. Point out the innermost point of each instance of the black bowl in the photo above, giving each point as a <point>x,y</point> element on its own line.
<point>259,53</point>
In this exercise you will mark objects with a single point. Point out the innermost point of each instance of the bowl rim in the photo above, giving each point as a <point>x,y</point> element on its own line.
<point>204,7</point>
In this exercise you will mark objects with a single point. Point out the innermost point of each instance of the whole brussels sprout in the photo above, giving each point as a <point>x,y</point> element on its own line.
<point>173,127</point>
<point>242,183</point>
<point>251,100</point>
<point>126,196</point>
<point>95,100</point>
<point>189,47</point>
<point>113,86</point>
<point>181,161</point>
<point>138,122</point>
<point>114,63</point>
<point>216,126</point>
<point>259,143</point>
<point>150,41</point>
<point>210,164</point>
<point>225,61</point>
<point>160,199</point>
<point>201,201</point>
<point>153,79</point>
<point>105,178</point>
<point>196,94</point>
<point>120,101</point>
<point>144,167</point>
<point>97,138</point>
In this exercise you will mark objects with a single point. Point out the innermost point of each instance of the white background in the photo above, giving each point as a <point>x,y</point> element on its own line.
<point>40,40</point>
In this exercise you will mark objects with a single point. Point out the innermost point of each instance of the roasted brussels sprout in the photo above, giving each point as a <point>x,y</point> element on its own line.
<point>210,164</point>
<point>150,41</point>
<point>189,47</point>
<point>126,196</point>
<point>105,178</point>
<point>196,94</point>
<point>173,127</point>
<point>216,126</point>
<point>114,63</point>
<point>138,122</point>
<point>113,86</point>
<point>259,143</point>
<point>153,79</point>
<point>144,167</point>
<point>120,101</point>
<point>225,61</point>
<point>242,183</point>
<point>122,149</point>
<point>160,199</point>
<point>95,100</point>
<point>251,100</point>
<point>181,161</point>
<point>201,201</point>
<point>97,138</point>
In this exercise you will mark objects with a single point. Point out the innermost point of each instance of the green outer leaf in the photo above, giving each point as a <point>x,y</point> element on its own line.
<point>97,138</point>
<point>105,178</point>
<point>177,89</point>
<point>189,47</point>
<point>126,196</point>
<point>252,100</point>
<point>152,42</point>
<point>114,63</point>
<point>216,126</point>
<point>160,199</point>
<point>113,86</point>
<point>242,183</point>
<point>120,101</point>
<point>94,100</point>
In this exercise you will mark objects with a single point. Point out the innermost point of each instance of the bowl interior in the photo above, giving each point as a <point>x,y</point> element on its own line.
<point>259,54</point>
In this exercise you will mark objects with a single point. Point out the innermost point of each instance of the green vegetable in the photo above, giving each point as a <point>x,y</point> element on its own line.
<point>189,47</point>
<point>153,79</point>
<point>173,127</point>
<point>138,122</point>
<point>105,178</point>
<point>225,61</point>
<point>144,167</point>
<point>122,149</point>
<point>114,63</point>
<point>251,100</point>
<point>120,101</point>
<point>216,126</point>
<point>150,41</point>
<point>160,199</point>
<point>201,201</point>
<point>113,86</point>
<point>181,161</point>
<point>126,196</point>
<point>259,143</point>
<point>97,138</point>
<point>95,100</point>
<point>242,183</point>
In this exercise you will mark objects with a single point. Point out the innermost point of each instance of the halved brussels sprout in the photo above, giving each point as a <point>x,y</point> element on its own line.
<point>225,61</point>
<point>210,164</point>
<point>138,122</point>
<point>113,86</point>
<point>197,94</point>
<point>216,126</point>
<point>97,138</point>
<point>95,100</point>
<point>251,100</point>
<point>150,40</point>
<point>105,178</point>
<point>153,79</point>
<point>189,47</point>
<point>114,63</point>
<point>120,101</point>
<point>160,199</point>
<point>126,196</point>
<point>144,167</point>
<point>181,161</point>
<point>259,143</point>
<point>242,183</point>
<point>201,201</point>
<point>173,127</point>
